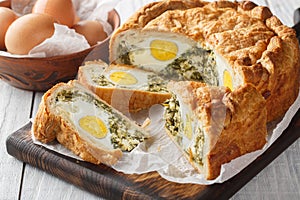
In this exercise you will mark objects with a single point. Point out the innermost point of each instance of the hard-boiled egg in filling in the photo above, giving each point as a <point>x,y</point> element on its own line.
<point>183,126</point>
<point>169,56</point>
<point>163,50</point>
<point>225,74</point>
<point>123,78</point>
<point>127,78</point>
<point>90,121</point>
<point>152,53</point>
<point>97,122</point>
<point>93,125</point>
<point>191,133</point>
<point>130,78</point>
<point>227,80</point>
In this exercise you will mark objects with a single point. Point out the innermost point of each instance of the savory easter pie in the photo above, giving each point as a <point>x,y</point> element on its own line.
<point>220,43</point>
<point>85,124</point>
<point>125,88</point>
<point>213,125</point>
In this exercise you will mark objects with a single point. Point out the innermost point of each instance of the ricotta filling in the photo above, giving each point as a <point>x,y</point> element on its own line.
<point>130,79</point>
<point>188,61</point>
<point>185,129</point>
<point>75,106</point>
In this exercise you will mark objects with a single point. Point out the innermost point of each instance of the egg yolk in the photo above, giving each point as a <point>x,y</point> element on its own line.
<point>163,50</point>
<point>188,128</point>
<point>227,80</point>
<point>123,78</point>
<point>94,126</point>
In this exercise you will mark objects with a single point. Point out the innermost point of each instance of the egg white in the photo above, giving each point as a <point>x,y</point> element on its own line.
<point>185,113</point>
<point>223,66</point>
<point>78,109</point>
<point>141,54</point>
<point>141,77</point>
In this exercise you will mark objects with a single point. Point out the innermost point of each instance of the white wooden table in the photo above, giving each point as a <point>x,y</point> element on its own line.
<point>279,180</point>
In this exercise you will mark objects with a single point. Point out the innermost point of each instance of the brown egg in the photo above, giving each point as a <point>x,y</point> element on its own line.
<point>7,16</point>
<point>28,31</point>
<point>91,30</point>
<point>62,11</point>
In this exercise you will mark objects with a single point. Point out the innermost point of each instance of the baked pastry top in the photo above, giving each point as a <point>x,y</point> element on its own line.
<point>254,45</point>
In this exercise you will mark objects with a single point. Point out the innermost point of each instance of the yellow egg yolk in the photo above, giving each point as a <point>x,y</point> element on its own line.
<point>163,50</point>
<point>227,80</point>
<point>188,128</point>
<point>94,126</point>
<point>123,78</point>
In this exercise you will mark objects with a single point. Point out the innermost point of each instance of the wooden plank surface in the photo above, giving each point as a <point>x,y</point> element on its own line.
<point>11,169</point>
<point>279,180</point>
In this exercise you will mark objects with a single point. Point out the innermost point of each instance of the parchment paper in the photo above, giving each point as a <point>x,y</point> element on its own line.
<point>160,154</point>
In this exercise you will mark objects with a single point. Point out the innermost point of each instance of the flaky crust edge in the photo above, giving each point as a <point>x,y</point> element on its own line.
<point>47,127</point>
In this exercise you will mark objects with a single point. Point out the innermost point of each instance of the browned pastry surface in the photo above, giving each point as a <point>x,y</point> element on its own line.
<point>258,47</point>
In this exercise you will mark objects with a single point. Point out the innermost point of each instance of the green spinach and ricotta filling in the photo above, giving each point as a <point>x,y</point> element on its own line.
<point>173,122</point>
<point>196,64</point>
<point>193,147</point>
<point>122,134</point>
<point>146,81</point>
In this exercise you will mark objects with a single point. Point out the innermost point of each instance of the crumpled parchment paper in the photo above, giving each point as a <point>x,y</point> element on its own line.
<point>160,154</point>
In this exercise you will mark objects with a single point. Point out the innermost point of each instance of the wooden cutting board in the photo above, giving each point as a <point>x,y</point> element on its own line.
<point>108,183</point>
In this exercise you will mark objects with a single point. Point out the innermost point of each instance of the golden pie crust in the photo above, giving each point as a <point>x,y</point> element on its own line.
<point>257,46</point>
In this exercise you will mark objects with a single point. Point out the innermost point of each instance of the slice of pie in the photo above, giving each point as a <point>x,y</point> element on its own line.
<point>212,125</point>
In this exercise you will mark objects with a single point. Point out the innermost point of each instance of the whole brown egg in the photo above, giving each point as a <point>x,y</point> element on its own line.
<point>28,31</point>
<point>92,30</point>
<point>63,11</point>
<point>7,16</point>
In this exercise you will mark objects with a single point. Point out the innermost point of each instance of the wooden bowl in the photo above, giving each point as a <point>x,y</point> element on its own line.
<point>40,74</point>
<point>5,3</point>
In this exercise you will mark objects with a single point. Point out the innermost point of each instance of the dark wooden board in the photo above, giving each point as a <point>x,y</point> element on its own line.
<point>108,183</point>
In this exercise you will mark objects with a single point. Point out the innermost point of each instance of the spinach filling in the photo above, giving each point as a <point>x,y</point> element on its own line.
<point>121,137</point>
<point>173,118</point>
<point>157,84</point>
<point>101,80</point>
<point>154,83</point>
<point>196,64</point>
<point>174,125</point>
<point>196,152</point>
